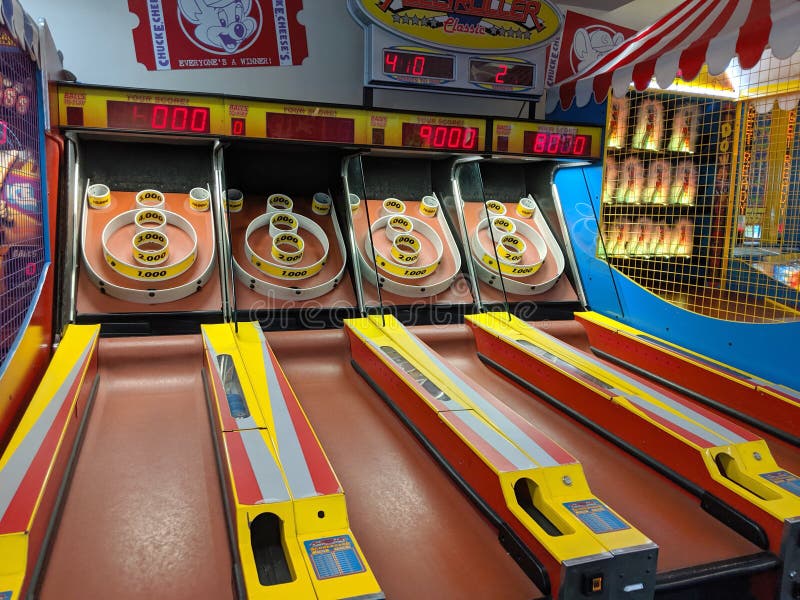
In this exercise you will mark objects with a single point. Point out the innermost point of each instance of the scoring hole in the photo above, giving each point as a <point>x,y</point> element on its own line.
<point>321,514</point>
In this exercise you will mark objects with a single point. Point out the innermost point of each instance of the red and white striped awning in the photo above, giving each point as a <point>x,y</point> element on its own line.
<point>696,32</point>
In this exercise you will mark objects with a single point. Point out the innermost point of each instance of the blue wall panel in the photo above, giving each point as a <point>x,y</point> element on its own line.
<point>768,350</point>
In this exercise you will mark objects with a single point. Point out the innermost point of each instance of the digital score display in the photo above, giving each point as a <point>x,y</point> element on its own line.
<point>432,66</point>
<point>158,117</point>
<point>501,73</point>
<point>439,137</point>
<point>311,128</point>
<point>557,144</point>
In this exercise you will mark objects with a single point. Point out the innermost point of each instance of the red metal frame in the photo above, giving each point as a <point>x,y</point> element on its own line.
<point>765,405</point>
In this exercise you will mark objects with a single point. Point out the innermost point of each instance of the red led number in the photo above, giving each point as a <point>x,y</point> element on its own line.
<point>3,133</point>
<point>553,143</point>
<point>556,143</point>
<point>400,63</point>
<point>580,145</point>
<point>391,61</point>
<point>440,136</point>
<point>237,126</point>
<point>172,118</point>
<point>418,66</point>
<point>180,117</point>
<point>540,142</point>
<point>501,74</point>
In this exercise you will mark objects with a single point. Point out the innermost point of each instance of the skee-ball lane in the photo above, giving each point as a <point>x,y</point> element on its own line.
<point>660,509</point>
<point>143,515</point>
<point>421,535</point>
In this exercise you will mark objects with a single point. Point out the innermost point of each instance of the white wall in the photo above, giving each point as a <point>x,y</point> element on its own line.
<point>96,40</point>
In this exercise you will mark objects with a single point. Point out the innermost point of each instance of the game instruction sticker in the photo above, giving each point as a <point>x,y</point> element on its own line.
<point>213,34</point>
<point>784,479</point>
<point>596,516</point>
<point>334,557</point>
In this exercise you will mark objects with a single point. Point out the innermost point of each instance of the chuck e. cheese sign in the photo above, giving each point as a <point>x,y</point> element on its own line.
<point>208,34</point>
<point>482,25</point>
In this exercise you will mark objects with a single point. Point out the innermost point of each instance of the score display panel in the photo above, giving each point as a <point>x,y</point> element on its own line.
<point>139,110</point>
<point>547,140</point>
<point>484,48</point>
<point>499,77</point>
<point>357,127</point>
<point>156,112</point>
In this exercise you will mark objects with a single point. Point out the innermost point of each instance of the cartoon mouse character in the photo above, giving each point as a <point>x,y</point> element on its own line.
<point>588,46</point>
<point>219,24</point>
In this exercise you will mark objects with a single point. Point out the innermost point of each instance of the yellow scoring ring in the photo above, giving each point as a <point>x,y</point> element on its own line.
<point>292,240</point>
<point>507,267</point>
<point>199,199</point>
<point>148,273</point>
<point>150,247</point>
<point>393,206</point>
<point>285,271</point>
<point>397,225</point>
<point>355,202</point>
<point>413,271</point>
<point>279,203</point>
<point>99,195</point>
<point>150,199</point>
<point>503,225</point>
<point>150,219</point>
<point>526,207</point>
<point>494,207</point>
<point>511,248</point>
<point>282,222</point>
<point>429,206</point>
<point>405,249</point>
<point>321,204</point>
<point>234,200</point>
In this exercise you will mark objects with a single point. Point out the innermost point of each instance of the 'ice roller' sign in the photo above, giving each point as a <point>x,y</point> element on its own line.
<point>212,34</point>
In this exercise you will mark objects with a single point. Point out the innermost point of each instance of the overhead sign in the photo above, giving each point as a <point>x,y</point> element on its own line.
<point>484,26</point>
<point>212,34</point>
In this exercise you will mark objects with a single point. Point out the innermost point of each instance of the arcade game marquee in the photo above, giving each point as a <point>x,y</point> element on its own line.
<point>323,351</point>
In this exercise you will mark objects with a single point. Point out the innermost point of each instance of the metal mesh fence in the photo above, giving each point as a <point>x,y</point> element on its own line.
<point>701,203</point>
<point>21,213</point>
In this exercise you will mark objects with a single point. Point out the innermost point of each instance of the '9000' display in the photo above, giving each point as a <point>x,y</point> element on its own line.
<point>439,137</point>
